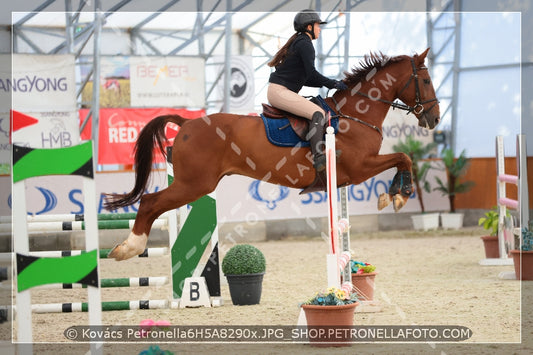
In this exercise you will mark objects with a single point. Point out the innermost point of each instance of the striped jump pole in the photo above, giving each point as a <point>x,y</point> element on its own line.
<point>105,306</point>
<point>117,282</point>
<point>102,253</point>
<point>35,227</point>
<point>71,217</point>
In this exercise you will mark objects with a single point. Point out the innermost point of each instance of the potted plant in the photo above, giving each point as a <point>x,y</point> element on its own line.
<point>490,224</point>
<point>455,169</point>
<point>363,275</point>
<point>244,266</point>
<point>417,151</point>
<point>329,308</point>
<point>523,258</point>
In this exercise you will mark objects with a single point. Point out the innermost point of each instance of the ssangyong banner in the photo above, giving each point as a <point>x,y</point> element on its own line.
<point>120,127</point>
<point>43,83</point>
<point>167,81</point>
<point>397,126</point>
<point>238,198</point>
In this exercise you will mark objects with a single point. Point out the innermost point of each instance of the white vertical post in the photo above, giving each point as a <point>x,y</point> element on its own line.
<point>331,169</point>
<point>523,193</point>
<point>92,243</point>
<point>502,209</point>
<point>21,245</point>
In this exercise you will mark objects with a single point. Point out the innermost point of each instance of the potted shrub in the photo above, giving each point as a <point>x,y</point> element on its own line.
<point>455,169</point>
<point>417,151</point>
<point>523,258</point>
<point>363,275</point>
<point>333,307</point>
<point>244,266</point>
<point>490,223</point>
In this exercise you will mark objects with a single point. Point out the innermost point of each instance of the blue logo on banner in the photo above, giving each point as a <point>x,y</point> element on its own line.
<point>271,204</point>
<point>50,201</point>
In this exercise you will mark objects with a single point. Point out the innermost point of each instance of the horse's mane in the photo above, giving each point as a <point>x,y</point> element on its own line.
<point>367,64</point>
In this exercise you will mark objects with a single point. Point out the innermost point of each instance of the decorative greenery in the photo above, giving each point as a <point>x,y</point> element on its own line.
<point>416,150</point>
<point>243,259</point>
<point>490,221</point>
<point>332,297</point>
<point>455,169</point>
<point>361,268</point>
<point>527,237</point>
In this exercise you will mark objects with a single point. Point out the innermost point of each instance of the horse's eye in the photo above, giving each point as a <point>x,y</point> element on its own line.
<point>426,81</point>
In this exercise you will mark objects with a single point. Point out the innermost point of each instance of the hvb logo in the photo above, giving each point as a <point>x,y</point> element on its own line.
<point>272,197</point>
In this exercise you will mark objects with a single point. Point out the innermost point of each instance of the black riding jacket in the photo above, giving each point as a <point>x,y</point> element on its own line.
<point>298,68</point>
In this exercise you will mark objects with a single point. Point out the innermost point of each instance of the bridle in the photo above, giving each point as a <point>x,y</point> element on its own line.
<point>417,109</point>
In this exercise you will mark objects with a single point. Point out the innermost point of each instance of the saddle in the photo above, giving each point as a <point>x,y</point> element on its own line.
<point>299,124</point>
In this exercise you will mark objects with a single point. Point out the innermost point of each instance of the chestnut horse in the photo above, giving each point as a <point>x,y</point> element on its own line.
<point>209,148</point>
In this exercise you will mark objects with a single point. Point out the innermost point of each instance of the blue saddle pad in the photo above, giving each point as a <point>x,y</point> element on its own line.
<point>279,131</point>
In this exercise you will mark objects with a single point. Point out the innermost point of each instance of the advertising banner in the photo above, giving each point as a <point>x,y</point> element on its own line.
<point>239,198</point>
<point>51,129</point>
<point>167,82</point>
<point>242,85</point>
<point>114,82</point>
<point>119,129</point>
<point>43,83</point>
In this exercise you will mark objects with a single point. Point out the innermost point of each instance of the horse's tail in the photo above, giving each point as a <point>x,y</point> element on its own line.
<point>151,136</point>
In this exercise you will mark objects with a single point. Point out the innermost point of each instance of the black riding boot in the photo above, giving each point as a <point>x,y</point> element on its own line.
<point>315,136</point>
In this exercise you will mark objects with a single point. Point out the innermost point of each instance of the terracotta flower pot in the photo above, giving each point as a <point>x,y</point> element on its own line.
<point>324,318</point>
<point>364,285</point>
<point>527,264</point>
<point>490,243</point>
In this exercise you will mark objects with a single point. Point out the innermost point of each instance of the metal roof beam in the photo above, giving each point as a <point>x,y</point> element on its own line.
<point>208,28</point>
<point>261,18</point>
<point>34,12</point>
<point>154,15</point>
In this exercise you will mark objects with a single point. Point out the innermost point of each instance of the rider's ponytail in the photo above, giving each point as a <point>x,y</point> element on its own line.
<point>280,56</point>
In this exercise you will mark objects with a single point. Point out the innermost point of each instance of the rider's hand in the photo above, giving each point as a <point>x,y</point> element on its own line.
<point>340,85</point>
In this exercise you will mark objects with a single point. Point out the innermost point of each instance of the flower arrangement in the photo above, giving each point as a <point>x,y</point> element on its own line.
<point>332,297</point>
<point>359,267</point>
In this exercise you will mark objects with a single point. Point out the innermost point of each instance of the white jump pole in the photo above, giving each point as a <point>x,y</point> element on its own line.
<point>333,221</point>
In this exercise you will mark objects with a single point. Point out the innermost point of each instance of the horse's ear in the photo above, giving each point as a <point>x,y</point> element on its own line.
<point>421,57</point>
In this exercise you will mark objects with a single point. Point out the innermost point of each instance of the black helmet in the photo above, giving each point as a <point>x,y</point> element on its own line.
<point>304,18</point>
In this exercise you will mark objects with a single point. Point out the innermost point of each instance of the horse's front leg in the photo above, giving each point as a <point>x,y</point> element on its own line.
<point>400,190</point>
<point>402,184</point>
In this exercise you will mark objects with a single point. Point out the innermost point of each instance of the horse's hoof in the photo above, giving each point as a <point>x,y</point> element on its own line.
<point>133,246</point>
<point>398,201</point>
<point>117,252</point>
<point>383,201</point>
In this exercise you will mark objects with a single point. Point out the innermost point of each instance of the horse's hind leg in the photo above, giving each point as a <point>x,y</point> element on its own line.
<point>152,206</point>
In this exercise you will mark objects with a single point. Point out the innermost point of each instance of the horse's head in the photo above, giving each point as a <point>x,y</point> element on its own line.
<point>419,95</point>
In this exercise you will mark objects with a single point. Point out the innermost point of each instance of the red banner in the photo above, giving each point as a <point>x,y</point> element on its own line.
<point>120,127</point>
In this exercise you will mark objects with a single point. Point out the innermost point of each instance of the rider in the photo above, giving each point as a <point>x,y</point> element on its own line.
<point>295,67</point>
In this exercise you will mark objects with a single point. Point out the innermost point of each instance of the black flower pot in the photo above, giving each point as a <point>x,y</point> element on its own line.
<point>245,289</point>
